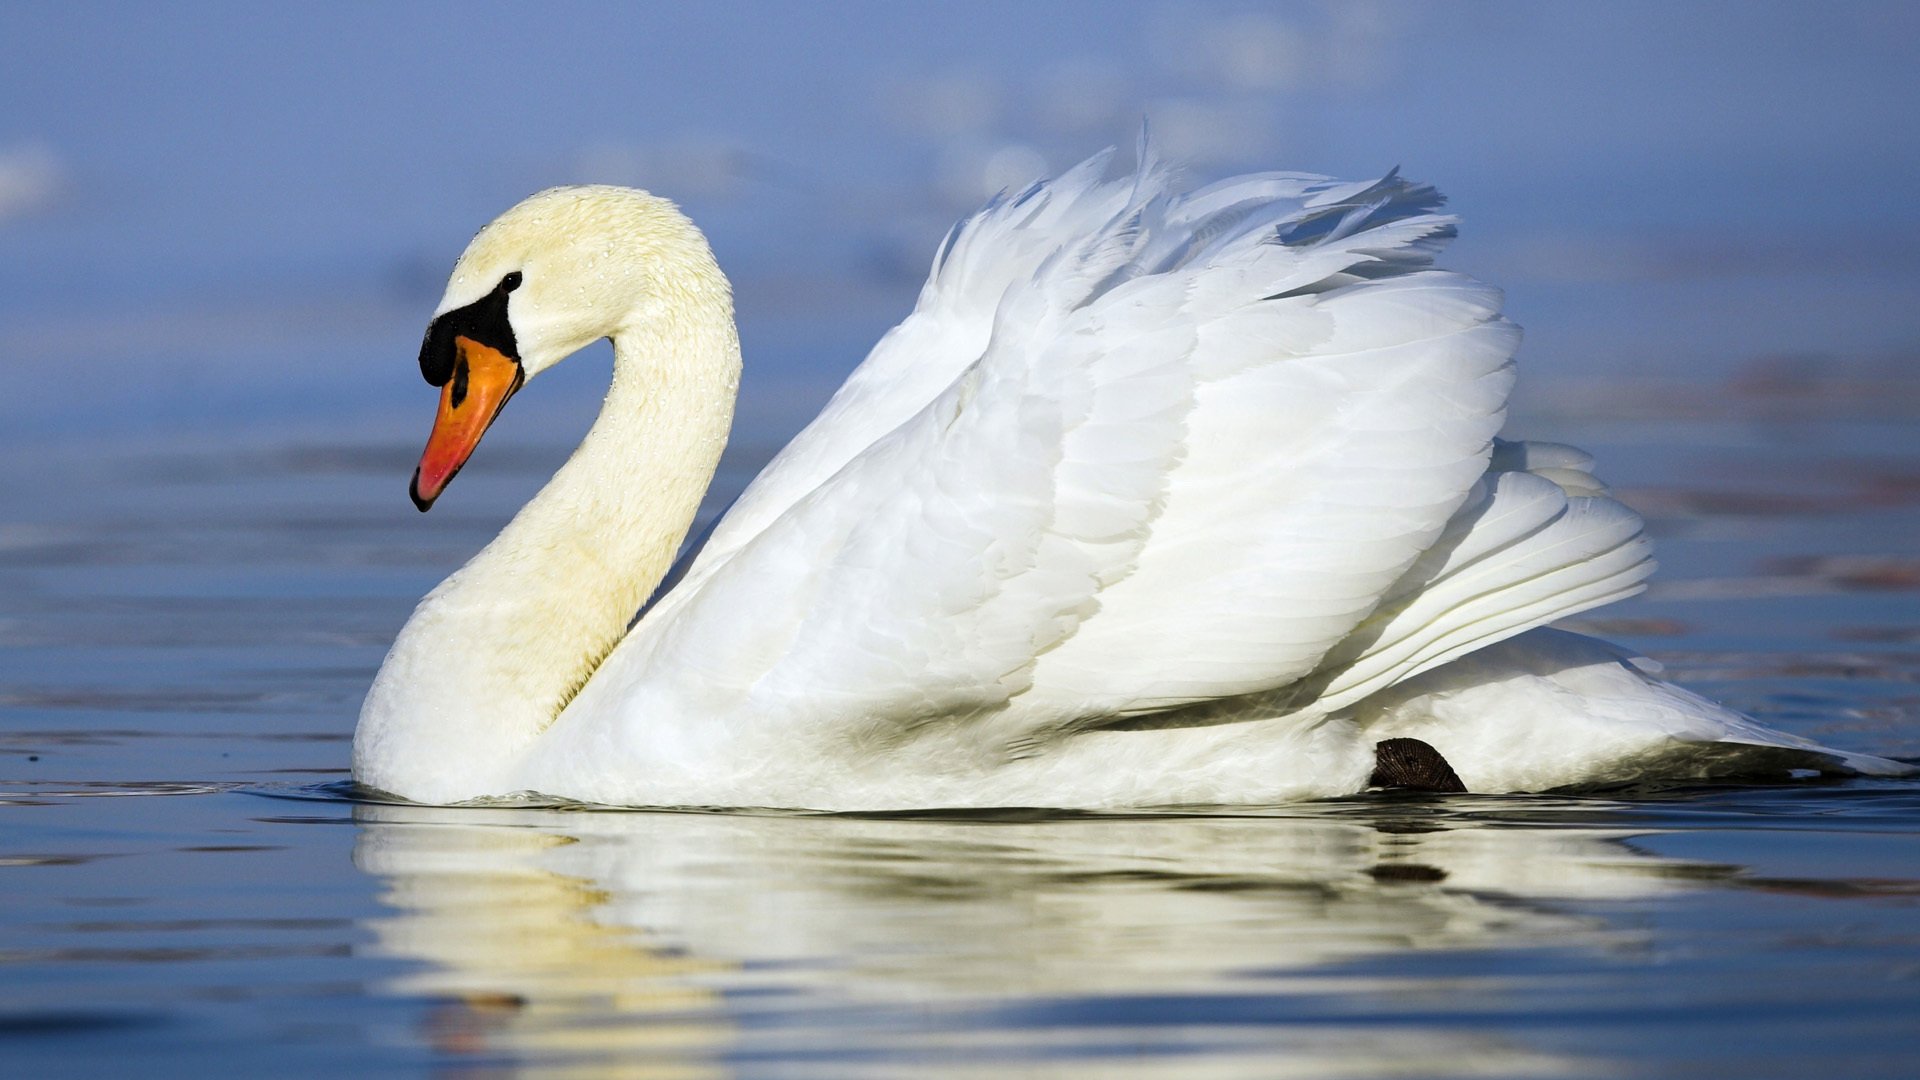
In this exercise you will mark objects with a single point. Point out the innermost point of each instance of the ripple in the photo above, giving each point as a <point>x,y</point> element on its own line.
<point>74,1022</point>
<point>108,789</point>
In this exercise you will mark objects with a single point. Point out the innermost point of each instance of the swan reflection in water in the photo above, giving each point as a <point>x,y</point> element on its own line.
<point>672,943</point>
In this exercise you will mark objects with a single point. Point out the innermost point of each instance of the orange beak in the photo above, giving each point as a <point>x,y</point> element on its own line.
<point>483,379</point>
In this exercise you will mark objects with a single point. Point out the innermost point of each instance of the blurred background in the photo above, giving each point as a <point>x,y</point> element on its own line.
<point>240,215</point>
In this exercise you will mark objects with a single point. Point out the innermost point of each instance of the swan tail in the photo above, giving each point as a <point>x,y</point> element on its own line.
<point>1552,709</point>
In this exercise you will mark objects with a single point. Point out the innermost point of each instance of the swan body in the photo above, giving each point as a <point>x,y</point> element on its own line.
<point>1159,496</point>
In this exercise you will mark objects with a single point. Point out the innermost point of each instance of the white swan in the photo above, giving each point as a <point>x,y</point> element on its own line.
<point>1157,497</point>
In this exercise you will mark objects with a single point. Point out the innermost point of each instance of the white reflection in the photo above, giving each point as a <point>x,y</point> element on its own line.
<point>664,941</point>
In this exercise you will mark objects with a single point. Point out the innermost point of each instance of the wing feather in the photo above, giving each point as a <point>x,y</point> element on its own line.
<point>1136,450</point>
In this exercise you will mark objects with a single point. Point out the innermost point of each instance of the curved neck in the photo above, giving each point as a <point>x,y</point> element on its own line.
<point>490,657</point>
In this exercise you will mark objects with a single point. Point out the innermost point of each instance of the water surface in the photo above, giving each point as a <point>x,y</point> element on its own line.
<point>188,626</point>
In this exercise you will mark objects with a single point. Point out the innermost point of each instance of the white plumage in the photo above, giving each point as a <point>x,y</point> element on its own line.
<point>1156,497</point>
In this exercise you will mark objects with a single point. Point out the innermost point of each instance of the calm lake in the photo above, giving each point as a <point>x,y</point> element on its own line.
<point>187,625</point>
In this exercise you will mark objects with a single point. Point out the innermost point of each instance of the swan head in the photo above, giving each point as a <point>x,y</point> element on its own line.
<point>556,273</point>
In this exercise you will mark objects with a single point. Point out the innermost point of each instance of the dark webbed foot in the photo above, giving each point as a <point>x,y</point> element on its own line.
<point>1414,765</point>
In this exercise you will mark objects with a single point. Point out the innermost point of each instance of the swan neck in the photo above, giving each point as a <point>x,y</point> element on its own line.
<point>491,656</point>
<point>618,510</point>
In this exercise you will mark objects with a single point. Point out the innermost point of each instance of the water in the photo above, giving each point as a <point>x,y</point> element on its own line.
<point>188,626</point>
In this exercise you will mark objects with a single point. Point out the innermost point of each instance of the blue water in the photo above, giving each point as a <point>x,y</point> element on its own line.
<point>221,229</point>
<point>186,887</point>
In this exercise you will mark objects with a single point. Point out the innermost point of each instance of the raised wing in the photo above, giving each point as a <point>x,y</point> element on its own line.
<point>1203,440</point>
<point>1001,249</point>
<point>1315,474</point>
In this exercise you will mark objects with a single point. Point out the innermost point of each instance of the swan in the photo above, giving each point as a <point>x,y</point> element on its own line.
<point>1160,495</point>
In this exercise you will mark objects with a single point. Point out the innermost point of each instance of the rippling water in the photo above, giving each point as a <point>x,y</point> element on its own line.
<point>186,630</point>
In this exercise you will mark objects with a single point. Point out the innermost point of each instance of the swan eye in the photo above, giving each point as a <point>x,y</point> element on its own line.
<point>510,282</point>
